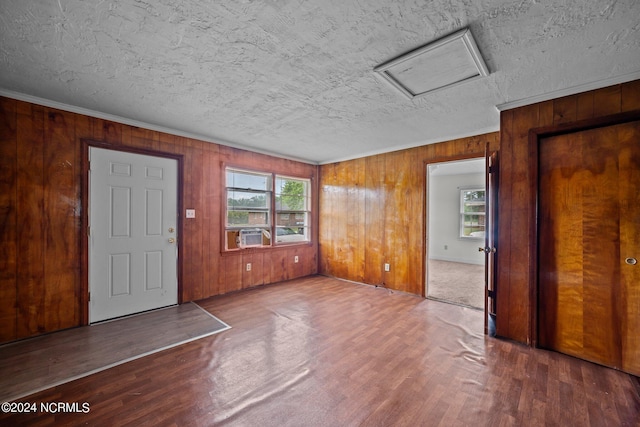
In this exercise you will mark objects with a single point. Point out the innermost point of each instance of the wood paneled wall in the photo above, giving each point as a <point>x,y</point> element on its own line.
<point>41,211</point>
<point>372,212</point>
<point>516,271</point>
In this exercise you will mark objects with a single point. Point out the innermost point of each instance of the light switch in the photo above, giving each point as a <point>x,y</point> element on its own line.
<point>191,213</point>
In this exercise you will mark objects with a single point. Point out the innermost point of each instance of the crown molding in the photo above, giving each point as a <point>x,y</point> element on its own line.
<point>416,144</point>
<point>123,120</point>
<point>573,90</point>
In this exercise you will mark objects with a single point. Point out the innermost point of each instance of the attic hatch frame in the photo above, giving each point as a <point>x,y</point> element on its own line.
<point>460,45</point>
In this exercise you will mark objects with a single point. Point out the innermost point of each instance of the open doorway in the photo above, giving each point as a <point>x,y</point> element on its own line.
<point>456,230</point>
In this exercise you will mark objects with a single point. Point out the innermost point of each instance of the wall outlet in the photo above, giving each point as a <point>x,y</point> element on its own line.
<point>191,213</point>
<point>248,266</point>
<point>295,259</point>
<point>387,267</point>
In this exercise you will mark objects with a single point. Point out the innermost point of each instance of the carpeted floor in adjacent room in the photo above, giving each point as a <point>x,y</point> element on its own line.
<point>456,282</point>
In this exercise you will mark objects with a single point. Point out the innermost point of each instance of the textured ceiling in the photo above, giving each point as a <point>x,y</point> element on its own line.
<point>295,78</point>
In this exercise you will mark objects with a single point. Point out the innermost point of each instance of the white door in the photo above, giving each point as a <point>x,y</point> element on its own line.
<point>132,233</point>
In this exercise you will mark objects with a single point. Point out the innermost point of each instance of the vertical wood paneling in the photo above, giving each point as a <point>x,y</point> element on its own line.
<point>584,105</point>
<point>276,263</point>
<point>41,283</point>
<point>565,110</point>
<point>255,276</point>
<point>232,273</point>
<point>403,221</point>
<point>32,220</point>
<point>416,224</point>
<point>335,220</point>
<point>62,219</point>
<point>372,211</point>
<point>505,213</point>
<point>545,113</point>
<point>8,218</point>
<point>144,138</point>
<point>211,221</point>
<point>296,269</point>
<point>516,212</point>
<point>107,131</point>
<point>83,126</point>
<point>520,222</point>
<point>356,226</point>
<point>193,227</point>
<point>328,203</point>
<point>311,260</point>
<point>395,245</point>
<point>191,243</point>
<point>630,96</point>
<point>607,101</point>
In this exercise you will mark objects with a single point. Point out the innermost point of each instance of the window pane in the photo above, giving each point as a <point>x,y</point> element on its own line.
<point>247,218</point>
<point>243,200</point>
<point>247,180</point>
<point>286,219</point>
<point>291,234</point>
<point>474,195</point>
<point>472,213</point>
<point>291,194</point>
<point>473,201</point>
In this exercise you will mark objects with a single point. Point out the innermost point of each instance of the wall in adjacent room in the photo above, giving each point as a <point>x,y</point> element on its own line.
<point>445,243</point>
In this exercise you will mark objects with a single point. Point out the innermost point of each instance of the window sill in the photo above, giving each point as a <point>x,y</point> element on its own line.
<point>258,249</point>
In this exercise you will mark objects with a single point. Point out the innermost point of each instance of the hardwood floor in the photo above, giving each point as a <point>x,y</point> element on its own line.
<point>322,352</point>
<point>39,363</point>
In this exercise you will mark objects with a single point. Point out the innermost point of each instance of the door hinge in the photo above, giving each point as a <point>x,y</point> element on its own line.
<point>89,296</point>
<point>491,169</point>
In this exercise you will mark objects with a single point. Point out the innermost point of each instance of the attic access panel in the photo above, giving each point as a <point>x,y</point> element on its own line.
<point>438,65</point>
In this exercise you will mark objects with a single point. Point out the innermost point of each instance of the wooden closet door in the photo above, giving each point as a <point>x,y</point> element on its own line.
<point>589,220</point>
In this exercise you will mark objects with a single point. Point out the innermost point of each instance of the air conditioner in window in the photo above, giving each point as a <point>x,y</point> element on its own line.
<point>250,238</point>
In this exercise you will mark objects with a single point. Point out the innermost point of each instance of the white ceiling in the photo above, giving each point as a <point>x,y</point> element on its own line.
<point>458,167</point>
<point>295,78</point>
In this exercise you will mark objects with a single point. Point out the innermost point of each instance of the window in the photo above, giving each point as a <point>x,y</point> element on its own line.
<point>251,201</point>
<point>292,209</point>
<point>248,220</point>
<point>472,213</point>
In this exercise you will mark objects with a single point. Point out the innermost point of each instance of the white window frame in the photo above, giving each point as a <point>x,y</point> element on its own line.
<point>298,232</point>
<point>267,192</point>
<point>285,234</point>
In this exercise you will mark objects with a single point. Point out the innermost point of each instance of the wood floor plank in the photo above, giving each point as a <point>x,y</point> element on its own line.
<point>322,352</point>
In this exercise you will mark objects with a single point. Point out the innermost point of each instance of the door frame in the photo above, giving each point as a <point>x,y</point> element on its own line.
<point>535,137</point>
<point>425,231</point>
<point>84,218</point>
